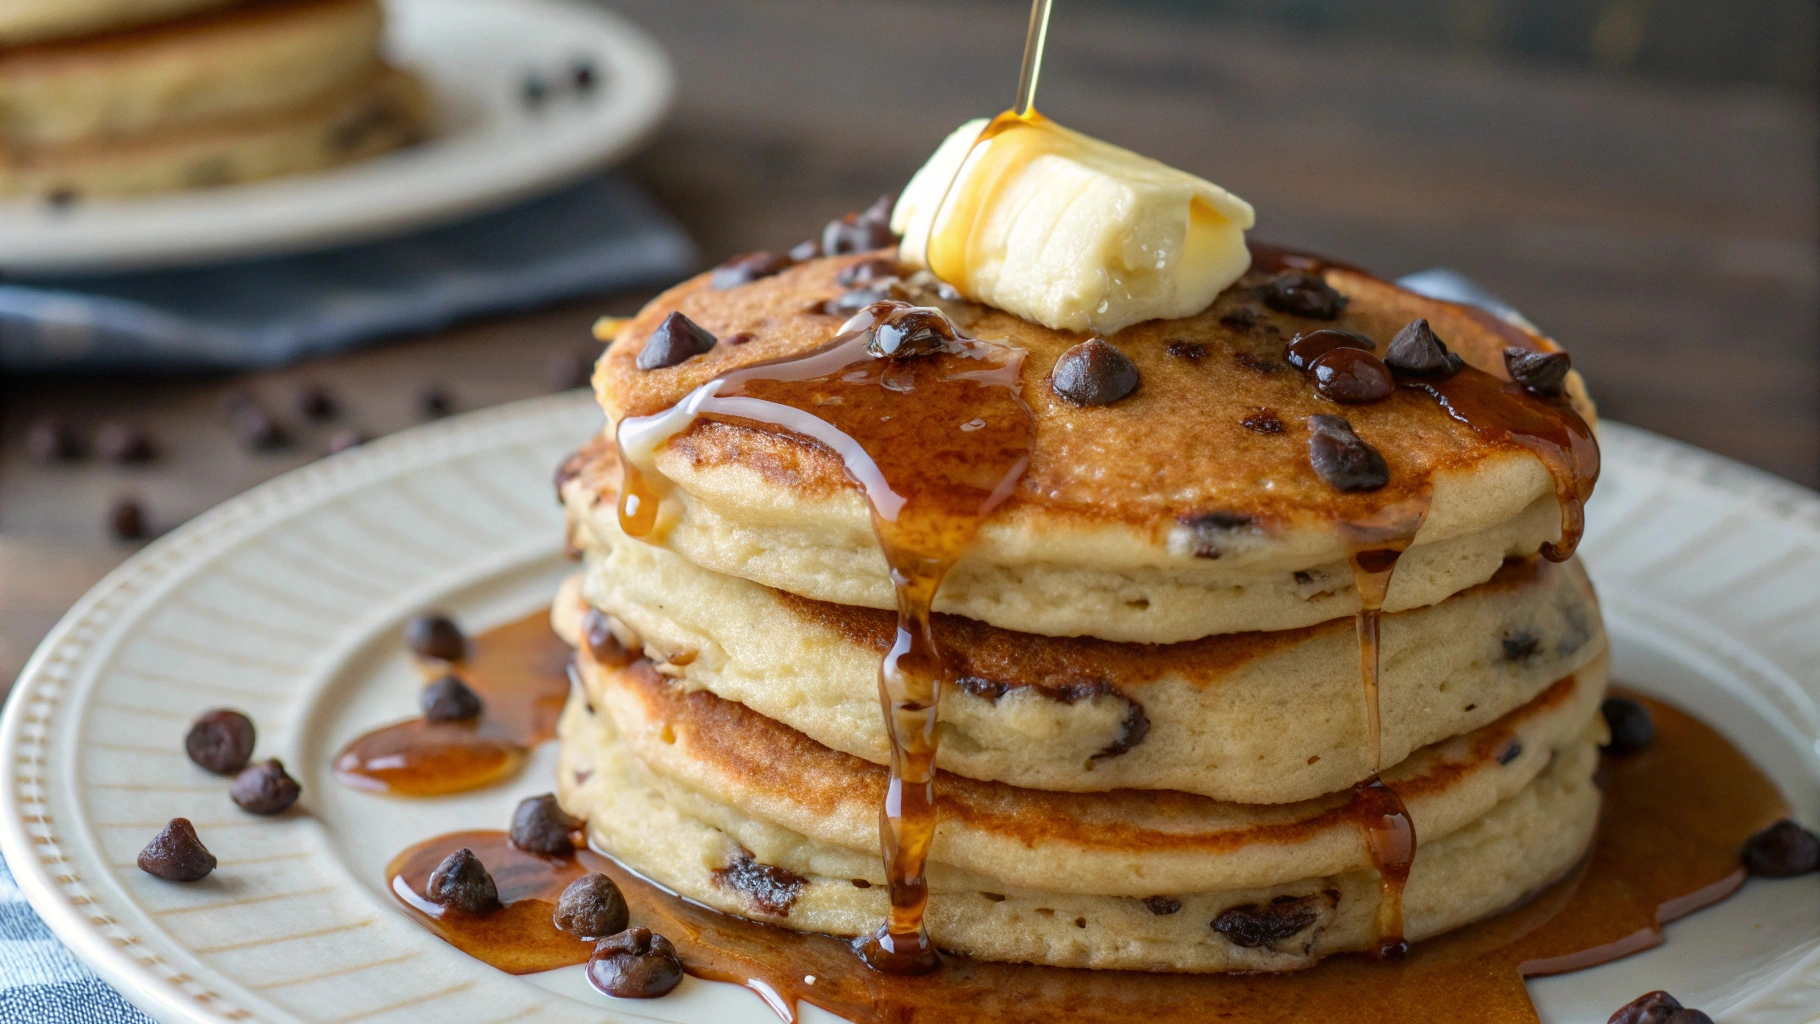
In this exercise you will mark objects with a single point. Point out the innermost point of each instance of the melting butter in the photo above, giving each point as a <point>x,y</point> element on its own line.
<point>1068,231</point>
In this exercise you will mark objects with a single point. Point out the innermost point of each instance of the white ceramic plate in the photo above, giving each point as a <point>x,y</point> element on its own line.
<point>287,602</point>
<point>489,149</point>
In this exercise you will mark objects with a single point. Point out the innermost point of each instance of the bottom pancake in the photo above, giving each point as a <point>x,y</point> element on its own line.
<point>730,856</point>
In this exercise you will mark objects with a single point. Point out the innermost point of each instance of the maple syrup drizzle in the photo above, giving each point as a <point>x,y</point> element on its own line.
<point>519,672</point>
<point>935,443</point>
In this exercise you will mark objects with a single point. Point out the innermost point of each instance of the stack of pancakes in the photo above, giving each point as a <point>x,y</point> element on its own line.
<point>1155,718</point>
<point>115,97</point>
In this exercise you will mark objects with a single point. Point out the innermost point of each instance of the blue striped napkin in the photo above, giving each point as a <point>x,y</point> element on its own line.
<point>40,982</point>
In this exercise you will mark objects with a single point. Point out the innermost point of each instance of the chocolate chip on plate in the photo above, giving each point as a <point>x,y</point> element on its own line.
<point>435,635</point>
<point>221,741</point>
<point>676,339</point>
<point>1341,458</point>
<point>746,268</point>
<point>1545,373</point>
<point>540,825</point>
<point>1301,293</point>
<point>126,520</point>
<point>52,440</point>
<point>1649,1008</point>
<point>316,404</point>
<point>1417,351</point>
<point>1352,377</point>
<point>461,882</point>
<point>592,907</point>
<point>448,699</point>
<point>634,964</point>
<point>123,443</point>
<point>859,232</point>
<point>1305,348</point>
<point>1631,727</point>
<point>265,788</point>
<point>1782,850</point>
<point>1093,373</point>
<point>176,854</point>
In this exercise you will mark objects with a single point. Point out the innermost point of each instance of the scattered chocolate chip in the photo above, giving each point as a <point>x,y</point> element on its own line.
<point>533,90</point>
<point>1240,318</point>
<point>1212,531</point>
<point>1162,906</point>
<point>866,272</point>
<point>1093,373</point>
<point>123,443</point>
<point>264,788</point>
<point>1782,850</point>
<point>434,403</point>
<point>1352,377</point>
<point>221,741</point>
<point>565,371</point>
<point>582,74</point>
<point>1416,350</point>
<point>1340,458</point>
<point>48,440</point>
<point>1630,724</point>
<point>540,825</point>
<point>860,883</point>
<point>1544,373</point>
<point>603,643</point>
<point>435,635</point>
<point>256,428</point>
<point>804,251</point>
<point>740,338</point>
<point>770,888</point>
<point>859,232</point>
<point>902,331</point>
<point>592,907</point>
<point>448,699</point>
<point>850,302</point>
<point>1305,348</point>
<point>676,339</point>
<point>177,854</point>
<point>461,882</point>
<point>1251,362</point>
<point>746,268</point>
<point>1262,422</point>
<point>1648,1008</point>
<point>634,964</point>
<point>1510,753</point>
<point>1518,646</point>
<point>316,404</point>
<point>1303,579</point>
<point>1301,293</point>
<point>342,440</point>
<point>1252,925</point>
<point>1187,350</point>
<point>126,520</point>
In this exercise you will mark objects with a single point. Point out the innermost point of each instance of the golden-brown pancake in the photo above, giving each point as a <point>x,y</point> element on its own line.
<point>31,21</point>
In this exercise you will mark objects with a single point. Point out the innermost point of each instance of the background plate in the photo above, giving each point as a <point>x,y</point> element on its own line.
<point>286,602</point>
<point>490,149</point>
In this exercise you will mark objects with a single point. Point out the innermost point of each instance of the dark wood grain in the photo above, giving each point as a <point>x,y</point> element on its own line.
<point>1664,232</point>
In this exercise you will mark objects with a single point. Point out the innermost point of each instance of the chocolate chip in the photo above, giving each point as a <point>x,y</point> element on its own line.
<point>603,643</point>
<point>772,889</point>
<point>448,699</point>
<point>804,251</point>
<point>1162,906</point>
<point>1630,724</point>
<point>1417,351</point>
<point>264,788</point>
<point>859,232</point>
<point>177,854</point>
<point>540,825</point>
<point>1340,458</point>
<point>126,520</point>
<point>1252,925</point>
<point>1093,373</point>
<point>1300,293</point>
<point>746,268</point>
<point>1687,1016</point>
<point>256,428</point>
<point>1352,377</point>
<point>1782,850</point>
<point>866,272</point>
<point>902,331</point>
<point>316,404</point>
<point>1212,531</point>
<point>1262,422</point>
<point>1240,318</point>
<point>434,403</point>
<point>1544,373</point>
<point>462,883</point>
<point>221,741</point>
<point>1649,1008</point>
<point>1510,753</point>
<point>48,440</point>
<point>1187,350</point>
<point>123,443</point>
<point>741,338</point>
<point>850,302</point>
<point>435,635</point>
<point>1305,348</point>
<point>1518,646</point>
<point>1251,362</point>
<point>342,440</point>
<point>566,371</point>
<point>592,907</point>
<point>676,339</point>
<point>634,964</point>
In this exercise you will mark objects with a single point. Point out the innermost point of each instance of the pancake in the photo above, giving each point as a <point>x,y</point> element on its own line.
<point>1158,518</point>
<point>31,21</point>
<point>1252,717</point>
<point>260,57</point>
<point>363,118</point>
<point>1051,898</point>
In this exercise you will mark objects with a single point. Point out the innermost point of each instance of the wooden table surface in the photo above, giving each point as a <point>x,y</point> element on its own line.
<point>1664,232</point>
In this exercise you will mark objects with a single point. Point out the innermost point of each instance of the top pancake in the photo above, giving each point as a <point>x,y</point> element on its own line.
<point>31,21</point>
<point>1165,486</point>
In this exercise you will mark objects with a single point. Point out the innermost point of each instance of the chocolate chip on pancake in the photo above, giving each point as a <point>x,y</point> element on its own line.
<point>1161,906</point>
<point>867,271</point>
<point>1187,350</point>
<point>1352,377</point>
<point>1300,293</point>
<point>1240,318</point>
<point>1341,458</point>
<point>901,331</point>
<point>1093,373</point>
<point>1262,422</point>
<point>859,232</point>
<point>770,888</point>
<point>1304,349</point>
<point>746,268</point>
<point>1264,924</point>
<point>1417,351</point>
<point>676,340</point>
<point>1544,373</point>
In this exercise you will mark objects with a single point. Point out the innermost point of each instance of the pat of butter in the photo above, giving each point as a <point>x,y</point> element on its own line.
<point>1068,231</point>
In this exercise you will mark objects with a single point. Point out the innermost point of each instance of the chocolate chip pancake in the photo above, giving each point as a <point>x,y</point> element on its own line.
<point>31,21</point>
<point>1203,499</point>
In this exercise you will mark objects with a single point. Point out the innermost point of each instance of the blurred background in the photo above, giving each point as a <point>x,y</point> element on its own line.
<point>1638,176</point>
